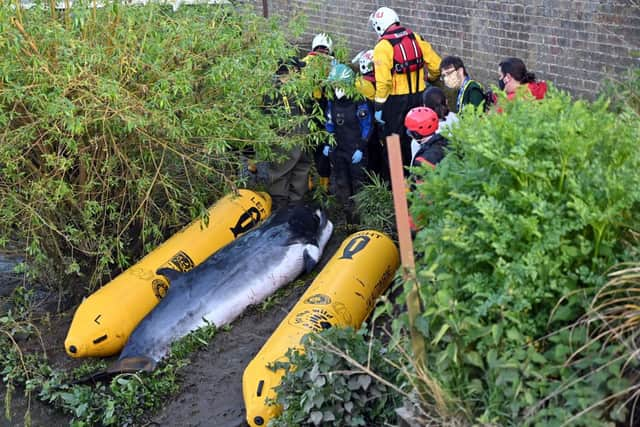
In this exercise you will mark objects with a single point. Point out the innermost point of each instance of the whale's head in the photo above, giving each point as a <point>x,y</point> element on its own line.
<point>310,226</point>
<point>325,228</point>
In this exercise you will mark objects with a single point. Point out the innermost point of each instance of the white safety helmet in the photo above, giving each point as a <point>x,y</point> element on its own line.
<point>322,39</point>
<point>382,19</point>
<point>364,59</point>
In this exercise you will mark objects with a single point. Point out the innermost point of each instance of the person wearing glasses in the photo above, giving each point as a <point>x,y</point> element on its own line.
<point>455,76</point>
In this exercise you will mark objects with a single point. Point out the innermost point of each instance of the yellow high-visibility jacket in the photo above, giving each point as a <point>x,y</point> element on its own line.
<point>366,88</point>
<point>390,83</point>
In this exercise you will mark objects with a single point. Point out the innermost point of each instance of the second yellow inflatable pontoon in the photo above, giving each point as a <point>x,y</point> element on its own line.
<point>343,294</point>
<point>103,322</point>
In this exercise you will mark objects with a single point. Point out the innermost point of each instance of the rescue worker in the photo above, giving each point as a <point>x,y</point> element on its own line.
<point>401,58</point>
<point>319,60</point>
<point>427,145</point>
<point>288,176</point>
<point>350,122</point>
<point>366,86</point>
<point>455,76</point>
<point>366,81</point>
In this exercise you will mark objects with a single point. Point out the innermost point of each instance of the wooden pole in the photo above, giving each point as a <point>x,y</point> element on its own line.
<point>398,189</point>
<point>265,8</point>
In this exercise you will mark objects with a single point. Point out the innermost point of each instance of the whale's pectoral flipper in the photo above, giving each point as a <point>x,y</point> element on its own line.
<point>169,273</point>
<point>311,257</point>
<point>132,364</point>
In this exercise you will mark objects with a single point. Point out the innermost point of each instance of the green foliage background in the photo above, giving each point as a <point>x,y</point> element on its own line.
<point>120,124</point>
<point>321,387</point>
<point>519,225</point>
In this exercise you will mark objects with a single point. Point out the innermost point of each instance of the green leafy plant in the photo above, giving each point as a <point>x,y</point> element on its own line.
<point>624,91</point>
<point>124,400</point>
<point>532,213</point>
<point>374,205</point>
<point>340,378</point>
<point>582,382</point>
<point>604,355</point>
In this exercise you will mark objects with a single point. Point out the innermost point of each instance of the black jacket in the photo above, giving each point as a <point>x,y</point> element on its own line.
<point>432,151</point>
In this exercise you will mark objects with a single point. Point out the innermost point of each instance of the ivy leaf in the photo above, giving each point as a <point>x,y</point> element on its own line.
<point>364,381</point>
<point>315,417</point>
<point>319,381</point>
<point>348,406</point>
<point>328,416</point>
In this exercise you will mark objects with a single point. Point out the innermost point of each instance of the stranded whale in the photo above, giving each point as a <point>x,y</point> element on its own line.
<point>242,273</point>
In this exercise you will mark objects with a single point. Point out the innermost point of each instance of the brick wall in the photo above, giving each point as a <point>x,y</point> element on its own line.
<point>575,44</point>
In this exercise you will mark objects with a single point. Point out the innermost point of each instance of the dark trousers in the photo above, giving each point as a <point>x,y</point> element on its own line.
<point>346,178</point>
<point>289,177</point>
<point>393,113</point>
<point>376,154</point>
<point>323,165</point>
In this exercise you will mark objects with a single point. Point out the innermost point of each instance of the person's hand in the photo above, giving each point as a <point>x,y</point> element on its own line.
<point>326,150</point>
<point>357,157</point>
<point>251,166</point>
<point>378,116</point>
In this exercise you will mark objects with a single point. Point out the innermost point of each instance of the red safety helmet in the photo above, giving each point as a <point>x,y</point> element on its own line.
<point>421,122</point>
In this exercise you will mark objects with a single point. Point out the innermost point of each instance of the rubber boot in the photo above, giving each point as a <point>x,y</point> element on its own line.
<point>324,183</point>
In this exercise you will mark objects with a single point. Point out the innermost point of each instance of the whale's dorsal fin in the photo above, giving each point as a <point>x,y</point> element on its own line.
<point>169,273</point>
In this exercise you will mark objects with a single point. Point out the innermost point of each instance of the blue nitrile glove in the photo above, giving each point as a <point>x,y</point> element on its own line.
<point>357,156</point>
<point>326,150</point>
<point>378,117</point>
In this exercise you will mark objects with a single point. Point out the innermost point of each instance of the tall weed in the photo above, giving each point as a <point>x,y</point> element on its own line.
<point>121,123</point>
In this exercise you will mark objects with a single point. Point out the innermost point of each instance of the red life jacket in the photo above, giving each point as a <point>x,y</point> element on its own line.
<point>407,55</point>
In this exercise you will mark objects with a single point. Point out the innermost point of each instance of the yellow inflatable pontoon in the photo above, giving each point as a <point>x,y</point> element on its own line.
<point>343,294</point>
<point>103,322</point>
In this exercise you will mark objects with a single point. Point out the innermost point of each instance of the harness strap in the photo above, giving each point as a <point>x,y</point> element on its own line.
<point>417,54</point>
<point>404,60</point>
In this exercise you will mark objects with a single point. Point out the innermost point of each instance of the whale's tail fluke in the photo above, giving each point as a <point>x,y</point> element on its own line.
<point>128,365</point>
<point>132,364</point>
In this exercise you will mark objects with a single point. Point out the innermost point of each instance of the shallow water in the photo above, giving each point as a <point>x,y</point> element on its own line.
<point>8,279</point>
